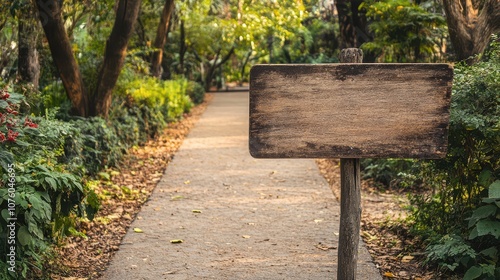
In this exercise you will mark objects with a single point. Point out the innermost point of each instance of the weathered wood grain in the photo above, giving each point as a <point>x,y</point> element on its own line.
<point>349,110</point>
<point>350,199</point>
<point>350,218</point>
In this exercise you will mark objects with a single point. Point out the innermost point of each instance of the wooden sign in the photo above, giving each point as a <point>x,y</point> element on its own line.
<point>350,110</point>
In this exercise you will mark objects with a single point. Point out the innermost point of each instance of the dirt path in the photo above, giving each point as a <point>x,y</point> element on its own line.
<point>238,217</point>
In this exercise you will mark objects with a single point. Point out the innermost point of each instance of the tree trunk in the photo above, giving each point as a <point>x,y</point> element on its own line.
<point>360,22</point>
<point>182,48</point>
<point>243,66</point>
<point>60,47</point>
<point>353,26</point>
<point>114,56</point>
<point>471,24</point>
<point>211,70</point>
<point>28,64</point>
<point>347,31</point>
<point>161,38</point>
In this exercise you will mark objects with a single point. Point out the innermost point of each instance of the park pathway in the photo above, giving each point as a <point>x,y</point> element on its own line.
<point>238,217</point>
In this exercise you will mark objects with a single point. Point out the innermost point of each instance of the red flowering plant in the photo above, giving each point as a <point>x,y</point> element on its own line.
<point>12,124</point>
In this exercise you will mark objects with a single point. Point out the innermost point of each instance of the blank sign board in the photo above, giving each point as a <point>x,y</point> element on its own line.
<point>349,110</point>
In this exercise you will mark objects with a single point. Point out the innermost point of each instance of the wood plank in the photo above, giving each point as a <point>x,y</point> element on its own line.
<point>349,110</point>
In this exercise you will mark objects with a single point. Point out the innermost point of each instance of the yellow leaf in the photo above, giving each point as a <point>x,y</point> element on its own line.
<point>138,230</point>
<point>407,259</point>
<point>196,211</point>
<point>187,182</point>
<point>176,241</point>
<point>389,274</point>
<point>246,236</point>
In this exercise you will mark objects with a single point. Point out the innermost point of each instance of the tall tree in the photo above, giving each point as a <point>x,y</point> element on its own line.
<point>84,102</point>
<point>471,24</point>
<point>28,63</point>
<point>114,55</point>
<point>52,22</point>
<point>161,37</point>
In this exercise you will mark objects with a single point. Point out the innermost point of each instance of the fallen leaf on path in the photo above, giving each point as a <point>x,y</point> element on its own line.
<point>196,211</point>
<point>187,182</point>
<point>177,197</point>
<point>389,274</point>
<point>325,247</point>
<point>407,259</point>
<point>176,241</point>
<point>138,230</point>
<point>246,236</point>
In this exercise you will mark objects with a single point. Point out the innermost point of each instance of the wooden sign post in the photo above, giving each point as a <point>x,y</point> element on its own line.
<point>349,111</point>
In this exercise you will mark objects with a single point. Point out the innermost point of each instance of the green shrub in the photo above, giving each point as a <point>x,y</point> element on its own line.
<point>52,156</point>
<point>390,172</point>
<point>466,199</point>
<point>404,31</point>
<point>40,198</point>
<point>196,92</point>
<point>169,98</point>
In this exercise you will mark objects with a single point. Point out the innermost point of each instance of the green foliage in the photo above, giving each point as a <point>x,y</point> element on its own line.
<point>451,252</point>
<point>404,31</point>
<point>168,99</point>
<point>54,158</point>
<point>466,184</point>
<point>478,258</point>
<point>40,192</point>
<point>196,92</point>
<point>390,172</point>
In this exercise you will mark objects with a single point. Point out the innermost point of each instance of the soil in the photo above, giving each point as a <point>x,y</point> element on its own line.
<point>394,251</point>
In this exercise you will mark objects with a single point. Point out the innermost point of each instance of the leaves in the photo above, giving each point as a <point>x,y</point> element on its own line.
<point>407,259</point>
<point>389,274</point>
<point>24,236</point>
<point>176,241</point>
<point>488,227</point>
<point>138,230</point>
<point>494,190</point>
<point>473,273</point>
<point>481,213</point>
<point>6,158</point>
